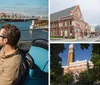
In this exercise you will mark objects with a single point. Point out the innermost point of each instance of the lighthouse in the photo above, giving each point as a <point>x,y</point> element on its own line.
<point>32,25</point>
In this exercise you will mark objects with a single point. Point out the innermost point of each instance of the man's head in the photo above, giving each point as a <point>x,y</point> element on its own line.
<point>9,34</point>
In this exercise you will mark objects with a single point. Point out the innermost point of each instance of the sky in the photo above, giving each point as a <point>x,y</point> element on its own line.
<point>90,8</point>
<point>30,7</point>
<point>79,53</point>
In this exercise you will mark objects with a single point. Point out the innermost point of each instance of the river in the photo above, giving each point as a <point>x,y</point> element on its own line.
<point>26,33</point>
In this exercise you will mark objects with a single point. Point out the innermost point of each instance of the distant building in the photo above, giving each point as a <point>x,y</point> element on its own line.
<point>40,22</point>
<point>69,23</point>
<point>76,66</point>
<point>97,30</point>
<point>92,30</point>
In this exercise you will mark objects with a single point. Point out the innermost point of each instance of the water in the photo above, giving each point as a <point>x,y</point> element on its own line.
<point>26,33</point>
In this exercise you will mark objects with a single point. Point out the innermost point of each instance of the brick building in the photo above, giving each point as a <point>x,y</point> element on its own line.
<point>69,23</point>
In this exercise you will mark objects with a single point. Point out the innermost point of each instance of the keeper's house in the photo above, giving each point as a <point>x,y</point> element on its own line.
<point>69,23</point>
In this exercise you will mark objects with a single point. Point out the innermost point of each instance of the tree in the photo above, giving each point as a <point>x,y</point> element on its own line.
<point>84,46</point>
<point>56,70</point>
<point>96,60</point>
<point>68,78</point>
<point>94,73</point>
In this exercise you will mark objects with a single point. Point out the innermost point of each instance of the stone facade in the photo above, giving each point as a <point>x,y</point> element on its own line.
<point>76,66</point>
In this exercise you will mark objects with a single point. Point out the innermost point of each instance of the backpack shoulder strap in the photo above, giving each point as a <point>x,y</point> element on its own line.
<point>29,64</point>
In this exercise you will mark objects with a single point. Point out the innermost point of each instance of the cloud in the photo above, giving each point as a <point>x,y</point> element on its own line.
<point>35,12</point>
<point>32,11</point>
<point>90,10</point>
<point>19,4</point>
<point>36,7</point>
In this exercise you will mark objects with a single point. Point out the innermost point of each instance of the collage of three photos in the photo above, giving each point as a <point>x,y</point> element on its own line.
<point>47,42</point>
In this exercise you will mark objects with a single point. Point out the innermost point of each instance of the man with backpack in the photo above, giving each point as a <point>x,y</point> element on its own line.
<point>12,65</point>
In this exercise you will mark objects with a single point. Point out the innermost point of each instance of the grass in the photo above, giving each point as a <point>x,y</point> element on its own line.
<point>71,37</point>
<point>56,37</point>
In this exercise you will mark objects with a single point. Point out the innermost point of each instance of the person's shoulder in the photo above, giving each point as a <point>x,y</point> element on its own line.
<point>16,60</point>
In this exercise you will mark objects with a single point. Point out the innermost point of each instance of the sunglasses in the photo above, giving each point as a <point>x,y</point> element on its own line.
<point>2,36</point>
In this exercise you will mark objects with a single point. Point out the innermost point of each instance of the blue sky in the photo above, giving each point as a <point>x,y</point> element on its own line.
<point>31,7</point>
<point>79,53</point>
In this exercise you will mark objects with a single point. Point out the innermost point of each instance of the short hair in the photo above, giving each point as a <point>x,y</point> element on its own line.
<point>12,33</point>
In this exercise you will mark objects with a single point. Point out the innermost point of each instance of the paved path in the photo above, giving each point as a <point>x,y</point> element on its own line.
<point>92,39</point>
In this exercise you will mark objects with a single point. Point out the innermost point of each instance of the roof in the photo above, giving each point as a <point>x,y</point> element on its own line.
<point>65,12</point>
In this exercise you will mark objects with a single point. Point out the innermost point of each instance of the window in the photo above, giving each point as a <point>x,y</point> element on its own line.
<point>73,22</point>
<point>70,22</point>
<point>60,24</point>
<point>63,23</point>
<point>66,23</point>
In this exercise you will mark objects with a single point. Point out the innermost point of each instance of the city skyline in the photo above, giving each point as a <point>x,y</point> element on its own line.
<point>29,7</point>
<point>79,53</point>
<point>90,9</point>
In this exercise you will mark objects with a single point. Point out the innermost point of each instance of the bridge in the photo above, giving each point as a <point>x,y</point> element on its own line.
<point>14,18</point>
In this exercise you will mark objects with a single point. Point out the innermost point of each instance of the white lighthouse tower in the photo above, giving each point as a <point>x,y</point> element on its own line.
<point>32,25</point>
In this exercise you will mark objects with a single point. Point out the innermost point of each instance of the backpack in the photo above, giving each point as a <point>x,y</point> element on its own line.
<point>29,64</point>
<point>28,77</point>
